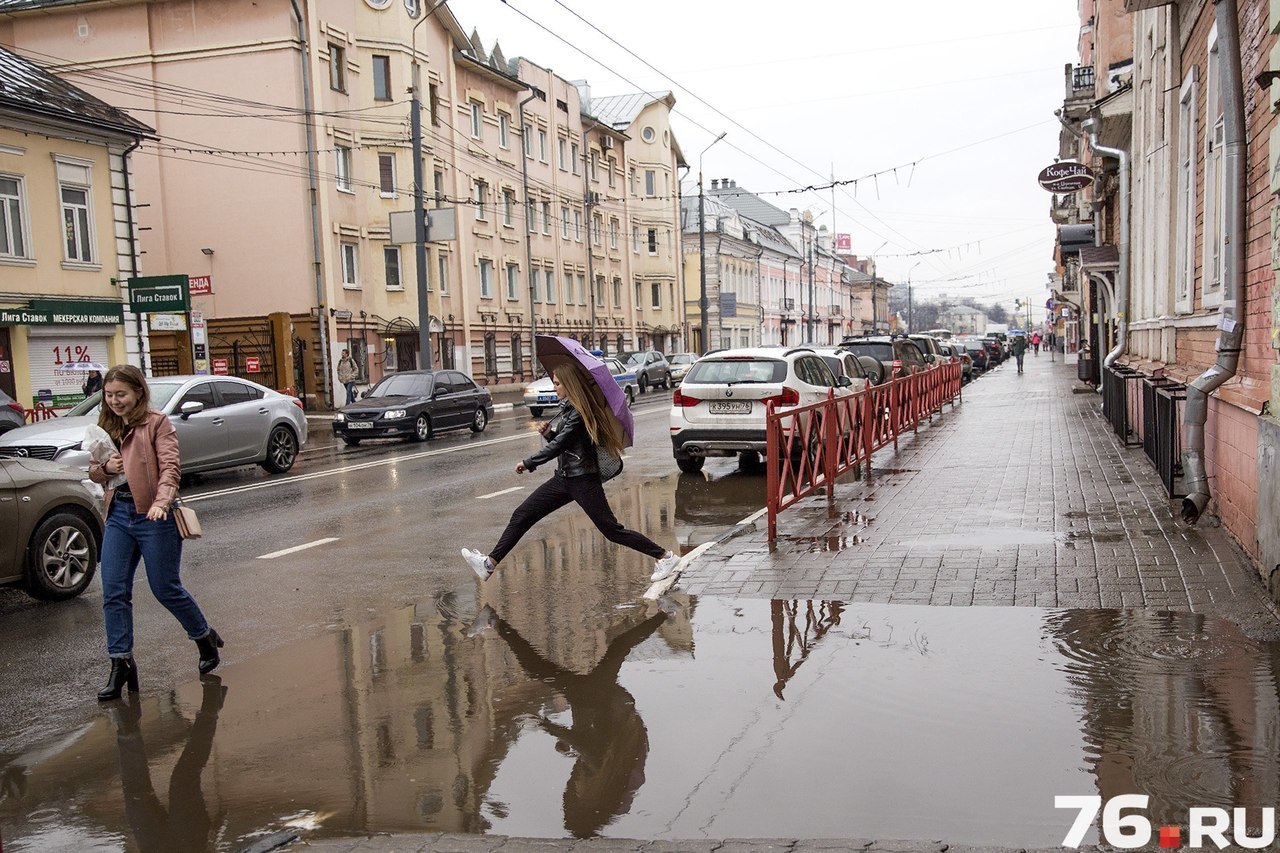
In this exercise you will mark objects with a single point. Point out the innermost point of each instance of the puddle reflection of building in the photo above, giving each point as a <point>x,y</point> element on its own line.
<point>1176,706</point>
<point>707,504</point>
<point>607,737</point>
<point>798,626</point>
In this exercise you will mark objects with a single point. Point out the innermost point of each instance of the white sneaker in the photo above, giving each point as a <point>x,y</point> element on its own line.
<point>664,567</point>
<point>484,620</point>
<point>479,563</point>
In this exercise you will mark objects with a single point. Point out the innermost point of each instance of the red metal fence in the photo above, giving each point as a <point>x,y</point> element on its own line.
<point>810,446</point>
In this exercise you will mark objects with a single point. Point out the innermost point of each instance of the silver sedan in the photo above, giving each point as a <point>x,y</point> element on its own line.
<point>222,421</point>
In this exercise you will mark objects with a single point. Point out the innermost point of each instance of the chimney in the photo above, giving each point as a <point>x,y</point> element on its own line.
<point>715,183</point>
<point>733,184</point>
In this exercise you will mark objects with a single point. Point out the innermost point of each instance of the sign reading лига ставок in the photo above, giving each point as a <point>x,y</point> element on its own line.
<point>159,293</point>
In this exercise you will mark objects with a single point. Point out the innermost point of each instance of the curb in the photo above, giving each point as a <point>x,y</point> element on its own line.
<point>503,407</point>
<point>747,525</point>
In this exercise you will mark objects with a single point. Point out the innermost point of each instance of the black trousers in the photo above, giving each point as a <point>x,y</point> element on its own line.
<point>588,493</point>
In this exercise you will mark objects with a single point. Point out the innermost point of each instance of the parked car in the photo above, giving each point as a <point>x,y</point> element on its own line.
<point>875,370</point>
<point>954,351</point>
<point>541,394</point>
<point>222,421</point>
<point>12,415</point>
<point>977,351</point>
<point>50,528</point>
<point>995,348</point>
<point>719,408</point>
<point>843,363</point>
<point>898,354</point>
<point>415,404</point>
<point>930,347</point>
<point>680,363</point>
<point>650,366</point>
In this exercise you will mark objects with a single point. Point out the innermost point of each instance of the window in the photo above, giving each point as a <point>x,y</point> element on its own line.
<point>508,207</point>
<point>1214,183</point>
<point>391,263</point>
<point>491,353</point>
<point>1184,278</point>
<point>597,229</point>
<point>577,225</point>
<point>350,269</point>
<point>542,145</point>
<point>656,293</point>
<point>563,147</point>
<point>613,233</point>
<point>481,199</point>
<point>531,215</point>
<point>486,279</point>
<point>650,182</point>
<point>504,130</point>
<point>582,289</point>
<point>442,272</point>
<point>610,165</point>
<point>631,179</point>
<point>639,296</point>
<point>647,134</point>
<point>513,282</point>
<point>477,120</point>
<point>433,103</point>
<point>573,158</point>
<point>568,288</point>
<point>551,286</point>
<point>564,223</point>
<point>73,188</point>
<point>342,167</point>
<point>337,67</point>
<point>546,217</point>
<point>527,136</point>
<point>617,293</point>
<point>381,78</point>
<point>593,162</point>
<point>635,239</point>
<point>439,188</point>
<point>535,282</point>
<point>13,230</point>
<point>653,241</point>
<point>387,174</point>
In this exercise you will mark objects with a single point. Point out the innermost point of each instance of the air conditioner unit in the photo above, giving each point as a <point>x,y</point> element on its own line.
<point>606,143</point>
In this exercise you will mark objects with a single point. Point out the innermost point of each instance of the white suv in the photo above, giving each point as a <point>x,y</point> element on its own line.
<point>719,408</point>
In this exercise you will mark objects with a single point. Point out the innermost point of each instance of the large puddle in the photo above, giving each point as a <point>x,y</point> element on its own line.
<point>571,716</point>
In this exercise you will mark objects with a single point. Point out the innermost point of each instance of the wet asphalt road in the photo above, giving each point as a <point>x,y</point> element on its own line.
<point>397,514</point>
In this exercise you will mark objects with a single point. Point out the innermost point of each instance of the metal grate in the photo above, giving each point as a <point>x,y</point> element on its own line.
<point>1082,77</point>
<point>1162,403</point>
<point>1116,402</point>
<point>31,451</point>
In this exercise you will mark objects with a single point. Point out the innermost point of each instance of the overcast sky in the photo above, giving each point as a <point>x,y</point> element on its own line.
<point>806,89</point>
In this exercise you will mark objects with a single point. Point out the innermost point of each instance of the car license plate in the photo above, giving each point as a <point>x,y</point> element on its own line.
<point>359,425</point>
<point>735,407</point>
<point>548,399</point>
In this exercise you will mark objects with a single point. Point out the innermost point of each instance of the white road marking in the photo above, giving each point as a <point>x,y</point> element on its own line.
<point>285,481</point>
<point>495,494</point>
<point>296,548</point>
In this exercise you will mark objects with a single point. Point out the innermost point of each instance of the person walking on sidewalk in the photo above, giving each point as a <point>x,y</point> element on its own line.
<point>1020,349</point>
<point>1035,343</point>
<point>583,424</point>
<point>139,525</point>
<point>348,373</point>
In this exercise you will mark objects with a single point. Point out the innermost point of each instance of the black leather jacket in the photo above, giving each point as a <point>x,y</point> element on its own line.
<point>569,444</point>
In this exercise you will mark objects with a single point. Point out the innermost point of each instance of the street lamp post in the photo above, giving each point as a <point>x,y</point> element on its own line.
<point>702,252</point>
<point>910,316</point>
<point>419,203</point>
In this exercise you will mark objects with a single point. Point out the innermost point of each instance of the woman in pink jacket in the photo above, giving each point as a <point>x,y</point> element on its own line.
<point>139,525</point>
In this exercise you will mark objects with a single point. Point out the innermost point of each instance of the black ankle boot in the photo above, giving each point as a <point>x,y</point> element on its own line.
<point>123,672</point>
<point>209,645</point>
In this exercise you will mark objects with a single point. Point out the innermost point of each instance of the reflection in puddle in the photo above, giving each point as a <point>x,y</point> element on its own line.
<point>566,718</point>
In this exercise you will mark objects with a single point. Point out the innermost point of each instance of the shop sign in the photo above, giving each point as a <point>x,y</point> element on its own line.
<point>220,367</point>
<point>1065,177</point>
<point>200,285</point>
<point>167,323</point>
<point>252,364</point>
<point>64,312</point>
<point>163,293</point>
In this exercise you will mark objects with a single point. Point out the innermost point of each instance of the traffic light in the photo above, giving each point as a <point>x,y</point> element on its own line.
<point>1017,303</point>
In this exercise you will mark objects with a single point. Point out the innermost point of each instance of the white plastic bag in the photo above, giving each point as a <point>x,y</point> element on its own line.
<point>102,448</point>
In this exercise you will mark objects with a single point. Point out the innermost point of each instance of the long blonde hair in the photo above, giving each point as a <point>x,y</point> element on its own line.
<point>585,396</point>
<point>109,420</point>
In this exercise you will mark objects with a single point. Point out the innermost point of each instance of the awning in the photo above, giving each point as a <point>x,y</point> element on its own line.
<point>1099,258</point>
<point>1073,238</point>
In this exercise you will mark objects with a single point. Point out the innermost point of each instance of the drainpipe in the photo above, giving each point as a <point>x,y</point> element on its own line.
<point>1230,331</point>
<point>526,146</point>
<point>314,192</point>
<point>133,247</point>
<point>1121,302</point>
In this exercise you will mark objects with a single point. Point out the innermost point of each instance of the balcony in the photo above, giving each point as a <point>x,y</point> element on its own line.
<point>836,311</point>
<point>788,304</point>
<point>1082,78</point>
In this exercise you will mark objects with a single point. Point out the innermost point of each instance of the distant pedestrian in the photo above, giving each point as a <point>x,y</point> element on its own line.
<point>92,383</point>
<point>1020,349</point>
<point>348,373</point>
<point>139,525</point>
<point>1035,343</point>
<point>583,424</point>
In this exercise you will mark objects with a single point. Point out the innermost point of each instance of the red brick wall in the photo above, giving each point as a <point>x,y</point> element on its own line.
<point>1231,449</point>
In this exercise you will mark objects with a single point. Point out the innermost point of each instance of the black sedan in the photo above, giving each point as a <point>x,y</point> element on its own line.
<point>415,404</point>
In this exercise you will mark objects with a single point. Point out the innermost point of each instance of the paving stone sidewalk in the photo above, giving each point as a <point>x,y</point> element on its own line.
<point>1019,495</point>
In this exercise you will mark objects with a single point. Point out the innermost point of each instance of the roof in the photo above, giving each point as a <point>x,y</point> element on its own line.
<point>1099,256</point>
<point>27,87</point>
<point>620,110</point>
<point>21,5</point>
<point>750,205</point>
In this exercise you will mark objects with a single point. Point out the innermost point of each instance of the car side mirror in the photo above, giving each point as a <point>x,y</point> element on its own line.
<point>364,394</point>
<point>192,407</point>
<point>439,392</point>
<point>844,381</point>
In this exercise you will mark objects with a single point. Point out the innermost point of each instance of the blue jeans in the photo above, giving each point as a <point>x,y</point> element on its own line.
<point>351,393</point>
<point>130,535</point>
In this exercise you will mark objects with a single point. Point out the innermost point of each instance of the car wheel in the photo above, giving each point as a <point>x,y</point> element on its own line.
<point>643,382</point>
<point>535,411</point>
<point>421,428</point>
<point>282,450</point>
<point>61,557</point>
<point>480,421</point>
<point>631,397</point>
<point>689,464</point>
<point>351,441</point>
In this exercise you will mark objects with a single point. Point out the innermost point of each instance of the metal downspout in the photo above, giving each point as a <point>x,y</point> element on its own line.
<point>133,246</point>
<point>1230,331</point>
<point>1120,306</point>
<point>314,191</point>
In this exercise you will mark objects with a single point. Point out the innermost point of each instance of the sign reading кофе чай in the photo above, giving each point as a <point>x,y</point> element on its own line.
<point>1065,177</point>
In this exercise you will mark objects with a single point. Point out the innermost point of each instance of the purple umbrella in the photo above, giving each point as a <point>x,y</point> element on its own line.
<point>556,351</point>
